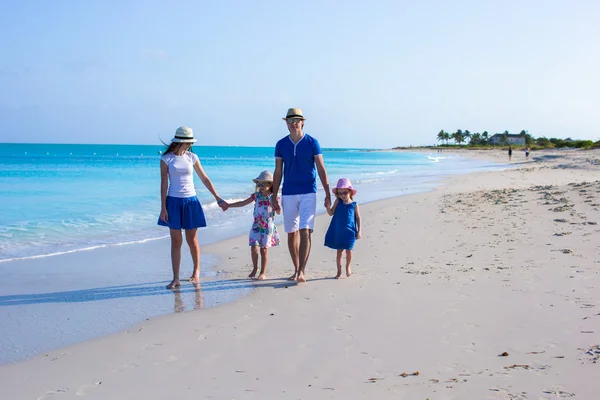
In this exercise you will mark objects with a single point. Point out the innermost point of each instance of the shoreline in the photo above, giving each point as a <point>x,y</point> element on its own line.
<point>444,282</point>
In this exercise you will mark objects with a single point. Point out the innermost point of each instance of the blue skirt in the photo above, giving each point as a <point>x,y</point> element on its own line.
<point>184,213</point>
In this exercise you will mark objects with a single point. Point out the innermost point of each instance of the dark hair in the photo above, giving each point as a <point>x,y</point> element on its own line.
<point>171,148</point>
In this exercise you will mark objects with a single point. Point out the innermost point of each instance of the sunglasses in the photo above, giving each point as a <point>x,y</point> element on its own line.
<point>293,120</point>
<point>263,184</point>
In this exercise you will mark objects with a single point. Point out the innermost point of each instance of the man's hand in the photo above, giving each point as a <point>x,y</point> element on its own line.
<point>327,202</point>
<point>164,215</point>
<point>275,204</point>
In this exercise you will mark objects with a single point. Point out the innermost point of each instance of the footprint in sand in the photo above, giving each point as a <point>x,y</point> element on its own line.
<point>84,390</point>
<point>151,345</point>
<point>169,359</point>
<point>52,393</point>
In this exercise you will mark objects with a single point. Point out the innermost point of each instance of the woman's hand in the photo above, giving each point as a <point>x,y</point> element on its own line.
<point>164,215</point>
<point>223,204</point>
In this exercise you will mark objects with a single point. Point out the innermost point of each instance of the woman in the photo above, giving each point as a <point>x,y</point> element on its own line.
<point>180,208</point>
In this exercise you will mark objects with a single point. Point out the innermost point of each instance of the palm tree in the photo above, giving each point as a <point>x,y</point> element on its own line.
<point>475,138</point>
<point>458,136</point>
<point>485,136</point>
<point>467,134</point>
<point>442,136</point>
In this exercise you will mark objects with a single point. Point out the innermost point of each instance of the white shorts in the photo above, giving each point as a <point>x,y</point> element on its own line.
<point>299,211</point>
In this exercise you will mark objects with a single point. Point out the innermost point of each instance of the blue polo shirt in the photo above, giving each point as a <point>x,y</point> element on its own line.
<point>299,169</point>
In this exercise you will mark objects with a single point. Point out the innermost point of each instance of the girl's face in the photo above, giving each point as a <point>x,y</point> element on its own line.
<point>344,195</point>
<point>264,187</point>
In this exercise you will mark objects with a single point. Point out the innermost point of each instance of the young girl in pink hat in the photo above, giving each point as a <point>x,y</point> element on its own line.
<point>345,226</point>
<point>263,233</point>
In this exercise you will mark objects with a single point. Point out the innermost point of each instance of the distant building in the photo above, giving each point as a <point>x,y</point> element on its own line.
<point>501,138</point>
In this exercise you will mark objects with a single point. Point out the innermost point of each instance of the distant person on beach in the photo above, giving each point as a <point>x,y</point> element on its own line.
<point>180,208</point>
<point>509,153</point>
<point>296,156</point>
<point>263,233</point>
<point>527,150</point>
<point>345,226</point>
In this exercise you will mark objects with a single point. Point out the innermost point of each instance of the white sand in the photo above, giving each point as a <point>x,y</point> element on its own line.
<point>444,283</point>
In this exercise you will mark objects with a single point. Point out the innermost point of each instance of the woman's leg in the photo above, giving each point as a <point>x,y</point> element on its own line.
<point>338,261</point>
<point>264,258</point>
<point>348,261</point>
<point>192,241</point>
<point>176,241</point>
<point>254,256</point>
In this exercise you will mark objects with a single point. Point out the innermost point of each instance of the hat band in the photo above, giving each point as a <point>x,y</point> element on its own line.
<point>294,116</point>
<point>183,137</point>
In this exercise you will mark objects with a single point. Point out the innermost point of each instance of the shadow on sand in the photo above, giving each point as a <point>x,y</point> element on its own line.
<point>136,290</point>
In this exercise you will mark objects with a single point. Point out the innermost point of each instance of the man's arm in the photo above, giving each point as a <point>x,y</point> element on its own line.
<point>323,177</point>
<point>277,175</point>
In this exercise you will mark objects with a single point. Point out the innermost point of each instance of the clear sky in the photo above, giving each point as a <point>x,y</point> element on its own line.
<point>373,74</point>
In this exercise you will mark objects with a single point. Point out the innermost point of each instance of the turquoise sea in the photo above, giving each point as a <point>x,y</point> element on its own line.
<point>60,198</point>
<point>81,255</point>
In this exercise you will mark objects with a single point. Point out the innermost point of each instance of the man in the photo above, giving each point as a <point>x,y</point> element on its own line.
<point>296,156</point>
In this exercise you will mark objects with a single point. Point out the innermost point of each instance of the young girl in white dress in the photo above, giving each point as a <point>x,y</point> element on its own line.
<point>263,233</point>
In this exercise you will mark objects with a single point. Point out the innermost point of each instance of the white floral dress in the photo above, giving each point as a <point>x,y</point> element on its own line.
<point>263,232</point>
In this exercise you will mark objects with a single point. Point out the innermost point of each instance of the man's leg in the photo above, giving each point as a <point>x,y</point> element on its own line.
<point>291,219</point>
<point>304,252</point>
<point>307,209</point>
<point>294,248</point>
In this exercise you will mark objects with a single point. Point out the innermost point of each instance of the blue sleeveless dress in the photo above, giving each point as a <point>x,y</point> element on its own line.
<point>341,234</point>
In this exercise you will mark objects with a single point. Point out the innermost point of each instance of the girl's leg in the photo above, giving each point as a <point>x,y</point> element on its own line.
<point>338,261</point>
<point>192,241</point>
<point>264,258</point>
<point>176,241</point>
<point>254,255</point>
<point>348,261</point>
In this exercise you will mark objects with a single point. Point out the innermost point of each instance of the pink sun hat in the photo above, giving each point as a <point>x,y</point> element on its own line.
<point>343,183</point>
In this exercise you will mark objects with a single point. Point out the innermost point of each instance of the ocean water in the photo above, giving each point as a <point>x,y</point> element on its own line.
<point>57,198</point>
<point>81,255</point>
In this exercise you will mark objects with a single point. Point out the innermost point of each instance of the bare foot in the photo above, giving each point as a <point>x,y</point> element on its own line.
<point>301,277</point>
<point>338,276</point>
<point>174,284</point>
<point>262,277</point>
<point>293,277</point>
<point>194,278</point>
<point>252,274</point>
<point>348,272</point>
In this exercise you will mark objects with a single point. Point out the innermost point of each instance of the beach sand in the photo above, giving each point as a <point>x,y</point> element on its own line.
<point>486,288</point>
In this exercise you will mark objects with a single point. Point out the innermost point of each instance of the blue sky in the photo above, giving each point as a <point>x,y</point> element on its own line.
<point>373,74</point>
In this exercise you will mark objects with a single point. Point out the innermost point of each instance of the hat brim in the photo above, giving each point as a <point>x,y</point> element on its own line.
<point>260,180</point>
<point>293,116</point>
<point>176,140</point>
<point>334,190</point>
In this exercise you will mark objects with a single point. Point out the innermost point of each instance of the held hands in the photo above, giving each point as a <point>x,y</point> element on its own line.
<point>327,202</point>
<point>223,204</point>
<point>275,204</point>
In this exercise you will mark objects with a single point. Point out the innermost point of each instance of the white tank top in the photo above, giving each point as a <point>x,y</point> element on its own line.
<point>181,174</point>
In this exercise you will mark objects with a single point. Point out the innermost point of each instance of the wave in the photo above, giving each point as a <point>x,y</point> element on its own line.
<point>100,246</point>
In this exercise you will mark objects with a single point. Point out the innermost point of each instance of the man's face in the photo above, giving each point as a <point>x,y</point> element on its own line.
<point>294,124</point>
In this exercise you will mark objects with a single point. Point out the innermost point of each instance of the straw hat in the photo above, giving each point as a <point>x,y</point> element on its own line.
<point>183,134</point>
<point>265,176</point>
<point>294,113</point>
<point>344,183</point>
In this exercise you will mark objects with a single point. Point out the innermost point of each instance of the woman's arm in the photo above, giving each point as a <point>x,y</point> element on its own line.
<point>207,182</point>
<point>164,186</point>
<point>242,203</point>
<point>358,222</point>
